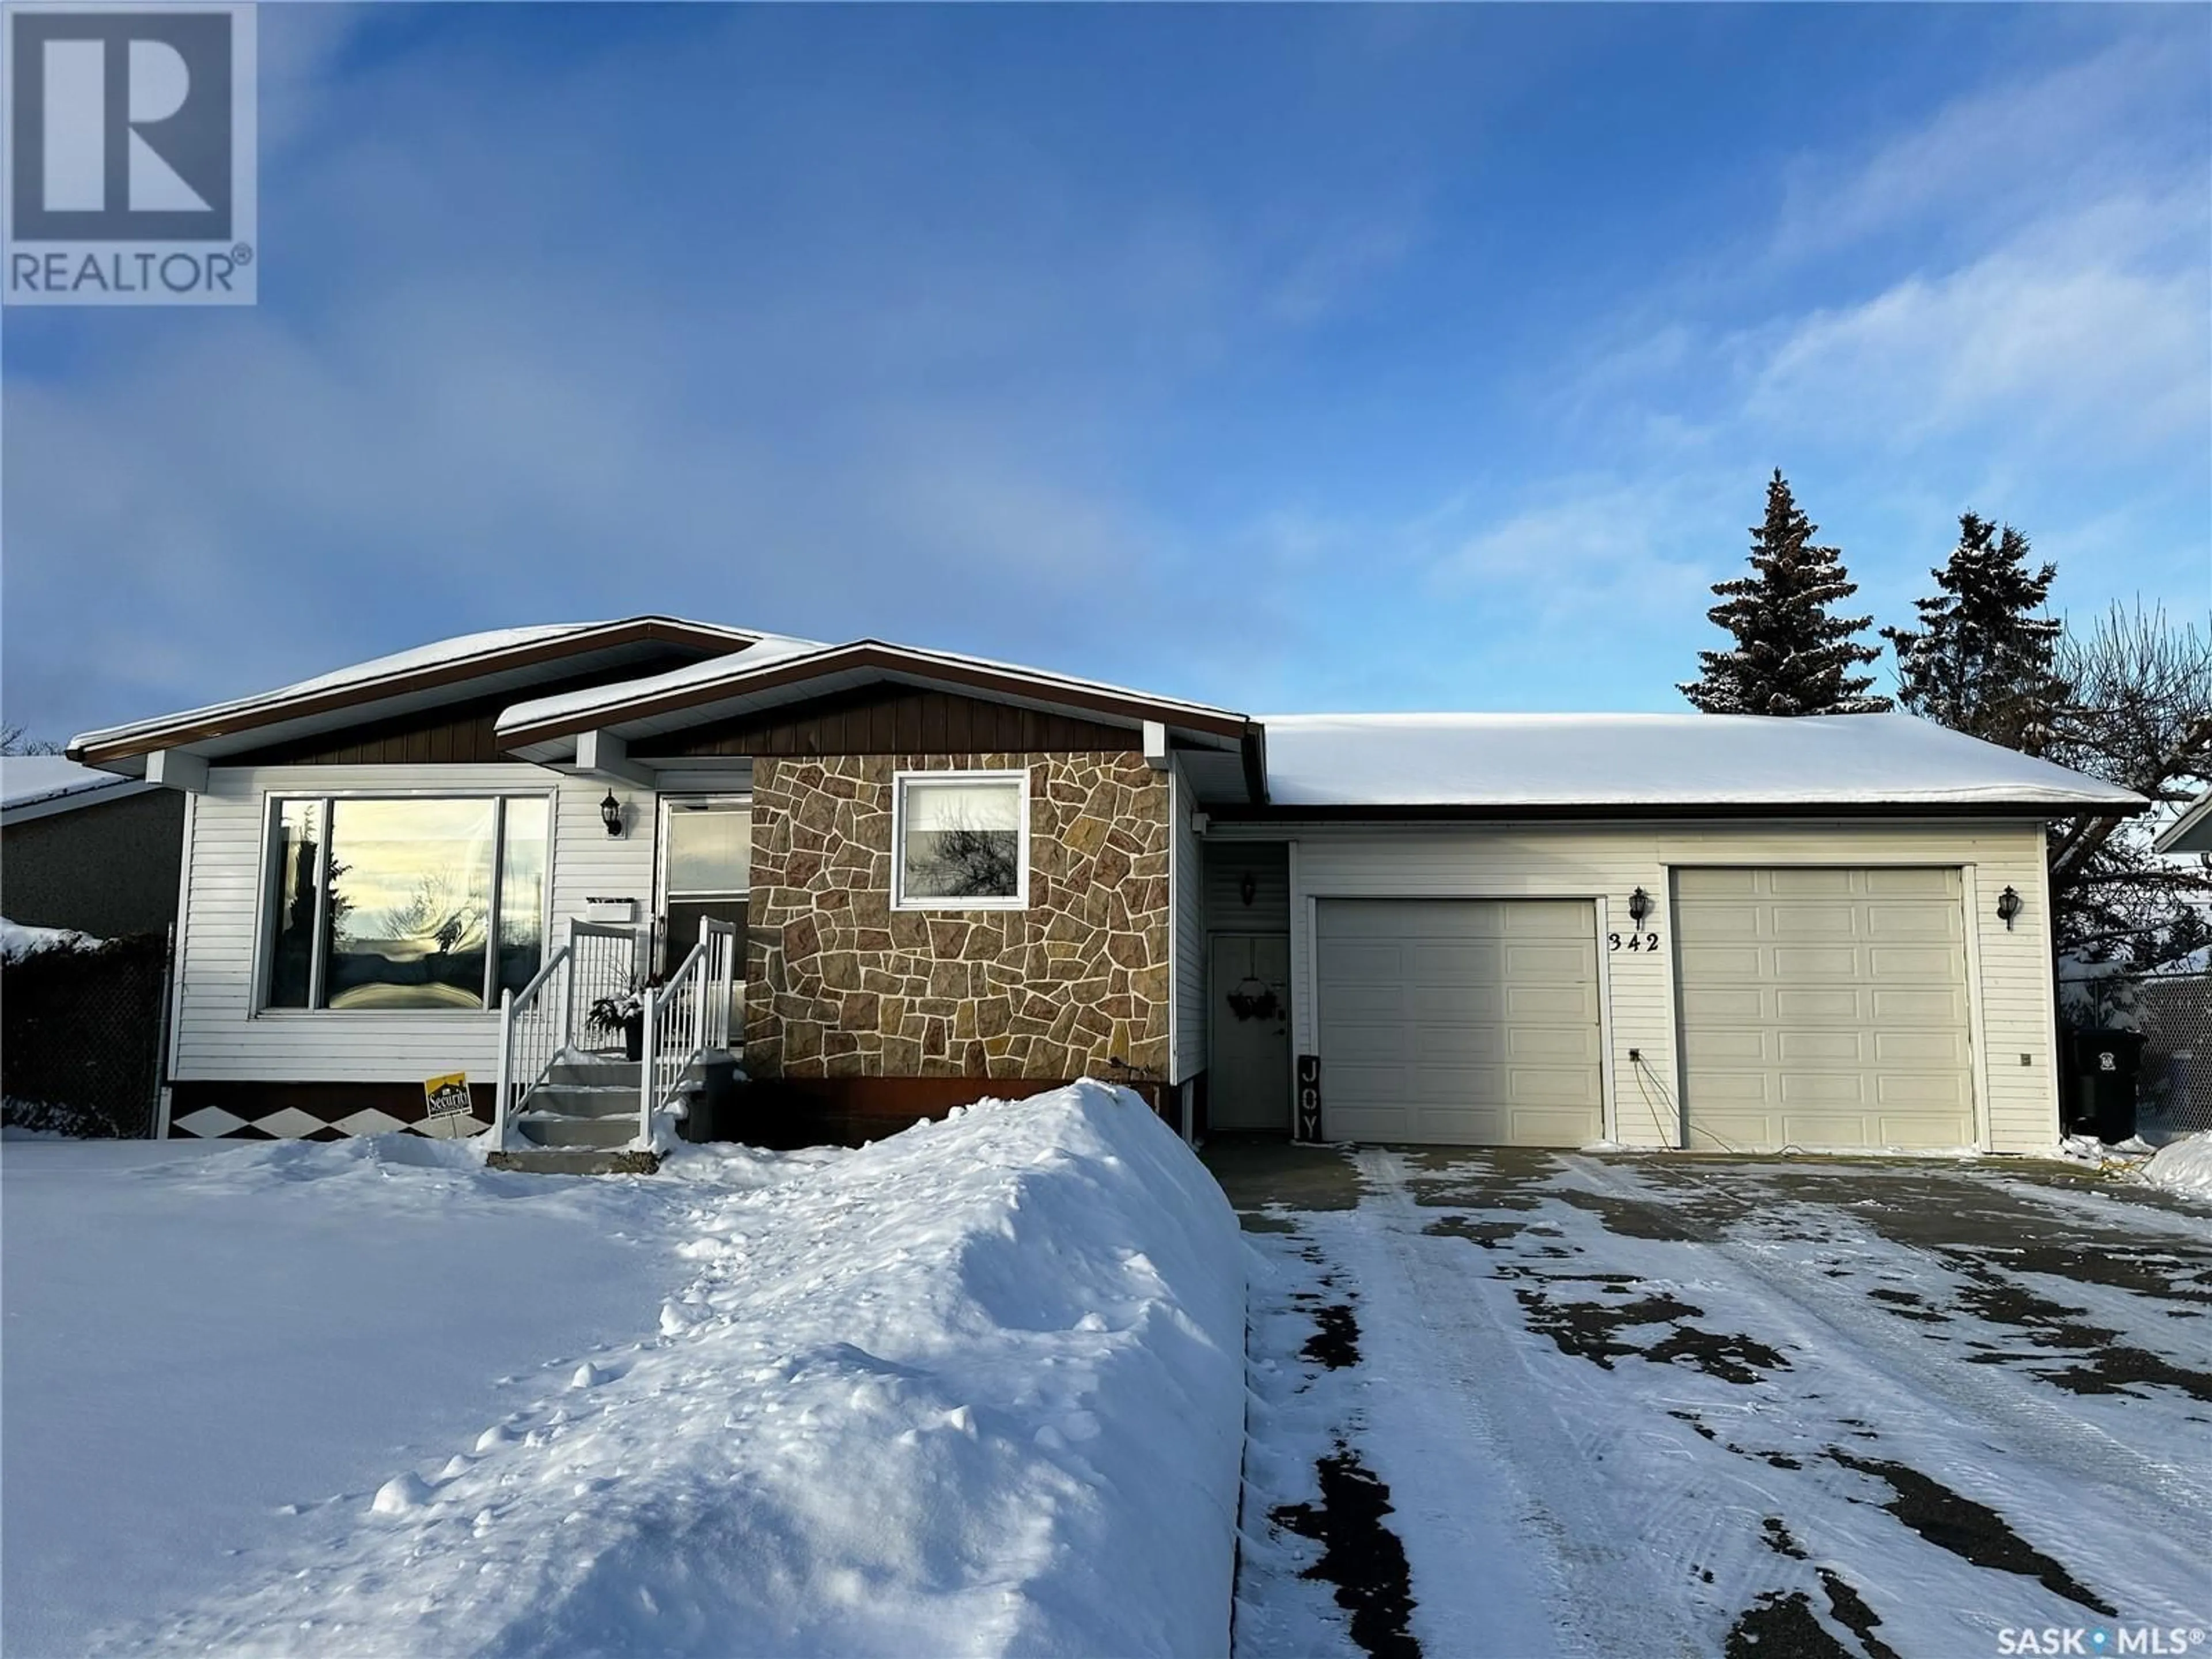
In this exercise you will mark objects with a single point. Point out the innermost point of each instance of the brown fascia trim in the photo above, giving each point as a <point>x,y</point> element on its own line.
<point>1585,811</point>
<point>867,654</point>
<point>1255,747</point>
<point>643,631</point>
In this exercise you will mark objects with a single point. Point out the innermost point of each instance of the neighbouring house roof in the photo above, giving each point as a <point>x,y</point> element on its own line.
<point>511,659</point>
<point>2190,833</point>
<point>38,786</point>
<point>1515,764</point>
<point>783,671</point>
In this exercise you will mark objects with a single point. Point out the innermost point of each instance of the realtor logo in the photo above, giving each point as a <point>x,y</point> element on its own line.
<point>130,134</point>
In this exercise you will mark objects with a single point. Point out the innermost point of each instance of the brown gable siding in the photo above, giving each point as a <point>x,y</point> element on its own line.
<point>463,732</point>
<point>890,718</point>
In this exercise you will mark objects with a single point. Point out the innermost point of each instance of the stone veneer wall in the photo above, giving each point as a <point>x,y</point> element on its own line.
<point>842,985</point>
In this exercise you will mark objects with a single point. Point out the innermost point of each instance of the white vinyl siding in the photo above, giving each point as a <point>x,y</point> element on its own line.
<point>1186,910</point>
<point>221,1034</point>
<point>2008,972</point>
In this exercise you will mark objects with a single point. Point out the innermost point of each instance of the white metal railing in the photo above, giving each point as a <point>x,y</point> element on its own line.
<point>538,1025</point>
<point>686,1019</point>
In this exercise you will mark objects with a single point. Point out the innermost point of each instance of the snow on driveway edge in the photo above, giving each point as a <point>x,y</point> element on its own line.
<point>976,1389</point>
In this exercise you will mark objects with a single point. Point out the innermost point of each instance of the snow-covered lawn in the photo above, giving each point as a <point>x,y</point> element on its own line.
<point>1529,1404</point>
<point>975,1389</point>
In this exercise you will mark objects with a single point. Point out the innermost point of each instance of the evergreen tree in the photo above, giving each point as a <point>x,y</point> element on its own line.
<point>1792,655</point>
<point>1981,660</point>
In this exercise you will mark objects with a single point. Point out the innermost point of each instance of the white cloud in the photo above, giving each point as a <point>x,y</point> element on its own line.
<point>2086,331</point>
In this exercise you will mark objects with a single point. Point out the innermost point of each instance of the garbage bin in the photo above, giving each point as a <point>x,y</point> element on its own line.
<point>713,1113</point>
<point>2106,1066</point>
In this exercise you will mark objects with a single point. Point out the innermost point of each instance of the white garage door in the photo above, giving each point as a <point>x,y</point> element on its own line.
<point>1823,1009</point>
<point>1459,1022</point>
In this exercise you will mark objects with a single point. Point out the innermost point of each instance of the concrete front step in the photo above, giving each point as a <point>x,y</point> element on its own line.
<point>583,1100</point>
<point>578,1161</point>
<point>547,1129</point>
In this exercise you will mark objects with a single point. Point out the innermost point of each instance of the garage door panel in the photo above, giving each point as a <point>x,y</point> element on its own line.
<point>1358,1000</point>
<point>1829,1012</point>
<point>1460,1022</point>
<point>1719,1004</point>
<point>1575,922</point>
<point>1914,922</point>
<point>1910,881</point>
<point>1550,1002</point>
<point>1442,963</point>
<point>1791,963</point>
<point>1717,964</point>
<point>1460,1043</point>
<point>1945,1049</point>
<point>1354,963</point>
<point>1920,1089</point>
<point>1811,883</point>
<point>1892,964</point>
<point>1913,1005</point>
<point>1801,1089</point>
<point>1806,1007</point>
<point>1366,1044</point>
<point>1831,1048</point>
<point>1813,922</point>
<point>1542,1042</point>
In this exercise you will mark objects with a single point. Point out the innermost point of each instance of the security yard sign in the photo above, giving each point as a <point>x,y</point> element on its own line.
<point>132,148</point>
<point>448,1103</point>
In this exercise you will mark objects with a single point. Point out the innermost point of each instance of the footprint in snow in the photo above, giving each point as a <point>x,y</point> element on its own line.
<point>493,1438</point>
<point>588,1376</point>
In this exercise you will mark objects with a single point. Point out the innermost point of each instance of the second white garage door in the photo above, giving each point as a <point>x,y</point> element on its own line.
<point>1824,1009</point>
<point>1459,1022</point>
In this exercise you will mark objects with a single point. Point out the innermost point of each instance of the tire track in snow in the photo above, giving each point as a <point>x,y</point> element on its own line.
<point>2085,1451</point>
<point>1462,1477</point>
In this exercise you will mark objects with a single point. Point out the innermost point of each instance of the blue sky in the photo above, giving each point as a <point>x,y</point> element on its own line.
<point>1382,358</point>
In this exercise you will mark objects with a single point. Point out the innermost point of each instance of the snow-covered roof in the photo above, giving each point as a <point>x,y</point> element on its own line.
<point>736,673</point>
<point>771,648</point>
<point>1673,761</point>
<point>491,650</point>
<point>30,780</point>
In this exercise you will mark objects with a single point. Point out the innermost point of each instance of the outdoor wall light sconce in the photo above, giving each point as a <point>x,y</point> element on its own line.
<point>1639,906</point>
<point>611,814</point>
<point>2009,905</point>
<point>1247,890</point>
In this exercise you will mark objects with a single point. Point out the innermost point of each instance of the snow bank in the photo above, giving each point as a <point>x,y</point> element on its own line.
<point>977,1388</point>
<point>2184,1166</point>
<point>17,939</point>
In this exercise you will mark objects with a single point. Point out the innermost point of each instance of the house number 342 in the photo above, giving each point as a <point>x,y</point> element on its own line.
<point>1631,941</point>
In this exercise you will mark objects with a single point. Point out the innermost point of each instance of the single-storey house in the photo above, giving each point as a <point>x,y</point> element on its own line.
<point>888,879</point>
<point>87,850</point>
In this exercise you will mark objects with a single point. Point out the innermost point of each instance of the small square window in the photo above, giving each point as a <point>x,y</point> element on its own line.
<point>962,841</point>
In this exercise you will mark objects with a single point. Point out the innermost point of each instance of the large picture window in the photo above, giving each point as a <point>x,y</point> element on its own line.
<point>962,841</point>
<point>410,902</point>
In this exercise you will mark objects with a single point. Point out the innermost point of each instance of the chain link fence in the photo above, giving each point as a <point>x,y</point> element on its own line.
<point>2174,1094</point>
<point>82,1036</point>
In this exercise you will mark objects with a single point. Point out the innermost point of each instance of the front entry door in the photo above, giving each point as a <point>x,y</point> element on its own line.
<point>706,869</point>
<point>1248,1078</point>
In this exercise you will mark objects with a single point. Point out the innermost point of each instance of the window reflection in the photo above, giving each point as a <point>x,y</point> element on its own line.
<point>417,903</point>
<point>409,901</point>
<point>521,895</point>
<point>291,952</point>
